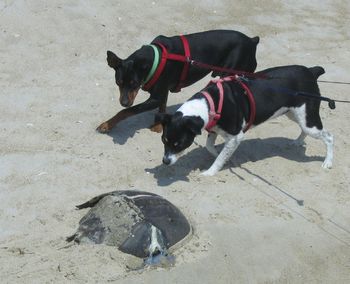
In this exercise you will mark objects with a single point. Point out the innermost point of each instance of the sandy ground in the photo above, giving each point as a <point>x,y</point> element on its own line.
<point>248,226</point>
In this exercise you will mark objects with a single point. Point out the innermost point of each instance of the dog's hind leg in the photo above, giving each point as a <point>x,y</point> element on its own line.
<point>300,141</point>
<point>230,146</point>
<point>328,139</point>
<point>310,123</point>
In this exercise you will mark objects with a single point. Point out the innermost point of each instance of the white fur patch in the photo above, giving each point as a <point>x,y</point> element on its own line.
<point>172,157</point>
<point>210,144</point>
<point>197,107</point>
<point>231,144</point>
<point>299,116</point>
<point>279,112</point>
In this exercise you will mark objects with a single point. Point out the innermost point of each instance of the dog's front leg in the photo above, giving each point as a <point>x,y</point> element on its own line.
<point>163,99</point>
<point>210,144</point>
<point>231,145</point>
<point>107,126</point>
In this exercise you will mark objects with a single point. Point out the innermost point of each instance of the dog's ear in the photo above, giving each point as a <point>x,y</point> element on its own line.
<point>195,124</point>
<point>163,118</point>
<point>113,60</point>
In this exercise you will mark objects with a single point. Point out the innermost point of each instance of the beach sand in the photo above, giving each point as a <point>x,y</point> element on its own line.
<point>272,215</point>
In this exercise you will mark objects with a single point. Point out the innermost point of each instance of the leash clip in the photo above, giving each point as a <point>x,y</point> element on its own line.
<point>242,78</point>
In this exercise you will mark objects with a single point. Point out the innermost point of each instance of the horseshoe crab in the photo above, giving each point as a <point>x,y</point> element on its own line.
<point>139,223</point>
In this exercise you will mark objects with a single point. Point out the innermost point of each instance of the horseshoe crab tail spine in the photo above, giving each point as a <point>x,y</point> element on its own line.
<point>157,242</point>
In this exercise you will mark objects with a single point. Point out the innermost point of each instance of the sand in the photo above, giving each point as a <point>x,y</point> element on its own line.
<point>248,222</point>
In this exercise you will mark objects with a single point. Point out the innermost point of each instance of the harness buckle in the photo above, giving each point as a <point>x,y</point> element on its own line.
<point>216,116</point>
<point>212,115</point>
<point>242,78</point>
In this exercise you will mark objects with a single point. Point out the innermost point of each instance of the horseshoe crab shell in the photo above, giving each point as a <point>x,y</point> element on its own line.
<point>137,222</point>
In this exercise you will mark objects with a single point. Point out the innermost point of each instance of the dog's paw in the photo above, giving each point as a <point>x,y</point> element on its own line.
<point>208,173</point>
<point>104,128</point>
<point>327,164</point>
<point>157,128</point>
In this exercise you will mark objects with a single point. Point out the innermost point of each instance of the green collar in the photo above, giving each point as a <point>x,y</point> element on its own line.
<point>154,65</point>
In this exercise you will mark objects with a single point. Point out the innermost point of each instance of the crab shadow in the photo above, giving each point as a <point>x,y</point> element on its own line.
<point>127,128</point>
<point>248,151</point>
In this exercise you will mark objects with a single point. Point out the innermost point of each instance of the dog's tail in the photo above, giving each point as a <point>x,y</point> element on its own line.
<point>317,71</point>
<point>255,40</point>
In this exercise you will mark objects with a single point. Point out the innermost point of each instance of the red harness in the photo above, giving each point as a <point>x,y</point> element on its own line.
<point>171,56</point>
<point>214,116</point>
<point>187,60</point>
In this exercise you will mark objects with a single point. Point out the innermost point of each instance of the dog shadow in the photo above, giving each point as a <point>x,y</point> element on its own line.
<point>259,149</point>
<point>248,151</point>
<point>127,128</point>
<point>165,175</point>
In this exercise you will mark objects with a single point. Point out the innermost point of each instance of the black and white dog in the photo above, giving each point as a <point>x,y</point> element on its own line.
<point>282,91</point>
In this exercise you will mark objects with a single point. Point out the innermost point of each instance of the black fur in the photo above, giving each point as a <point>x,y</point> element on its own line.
<point>230,49</point>
<point>279,89</point>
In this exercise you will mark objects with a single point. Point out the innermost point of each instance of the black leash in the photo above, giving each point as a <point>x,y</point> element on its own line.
<point>331,103</point>
<point>333,82</point>
<point>246,75</point>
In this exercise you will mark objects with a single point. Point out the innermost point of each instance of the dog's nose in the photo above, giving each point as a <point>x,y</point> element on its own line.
<point>125,103</point>
<point>166,160</point>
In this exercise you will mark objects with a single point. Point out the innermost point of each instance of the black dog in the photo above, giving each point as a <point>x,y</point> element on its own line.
<point>230,49</point>
<point>290,90</point>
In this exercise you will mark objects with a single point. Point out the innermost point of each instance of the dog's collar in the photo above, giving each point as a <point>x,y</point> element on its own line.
<point>153,77</point>
<point>214,116</point>
<point>154,65</point>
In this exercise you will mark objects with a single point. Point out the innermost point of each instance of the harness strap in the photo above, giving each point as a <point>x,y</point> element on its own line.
<point>228,70</point>
<point>252,105</point>
<point>186,63</point>
<point>171,56</point>
<point>214,116</point>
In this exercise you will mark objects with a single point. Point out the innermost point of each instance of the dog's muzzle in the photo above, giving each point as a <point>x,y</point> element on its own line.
<point>169,159</point>
<point>127,97</point>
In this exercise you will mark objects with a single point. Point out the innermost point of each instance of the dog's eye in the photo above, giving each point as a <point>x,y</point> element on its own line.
<point>133,83</point>
<point>164,140</point>
<point>119,82</point>
<point>176,144</point>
